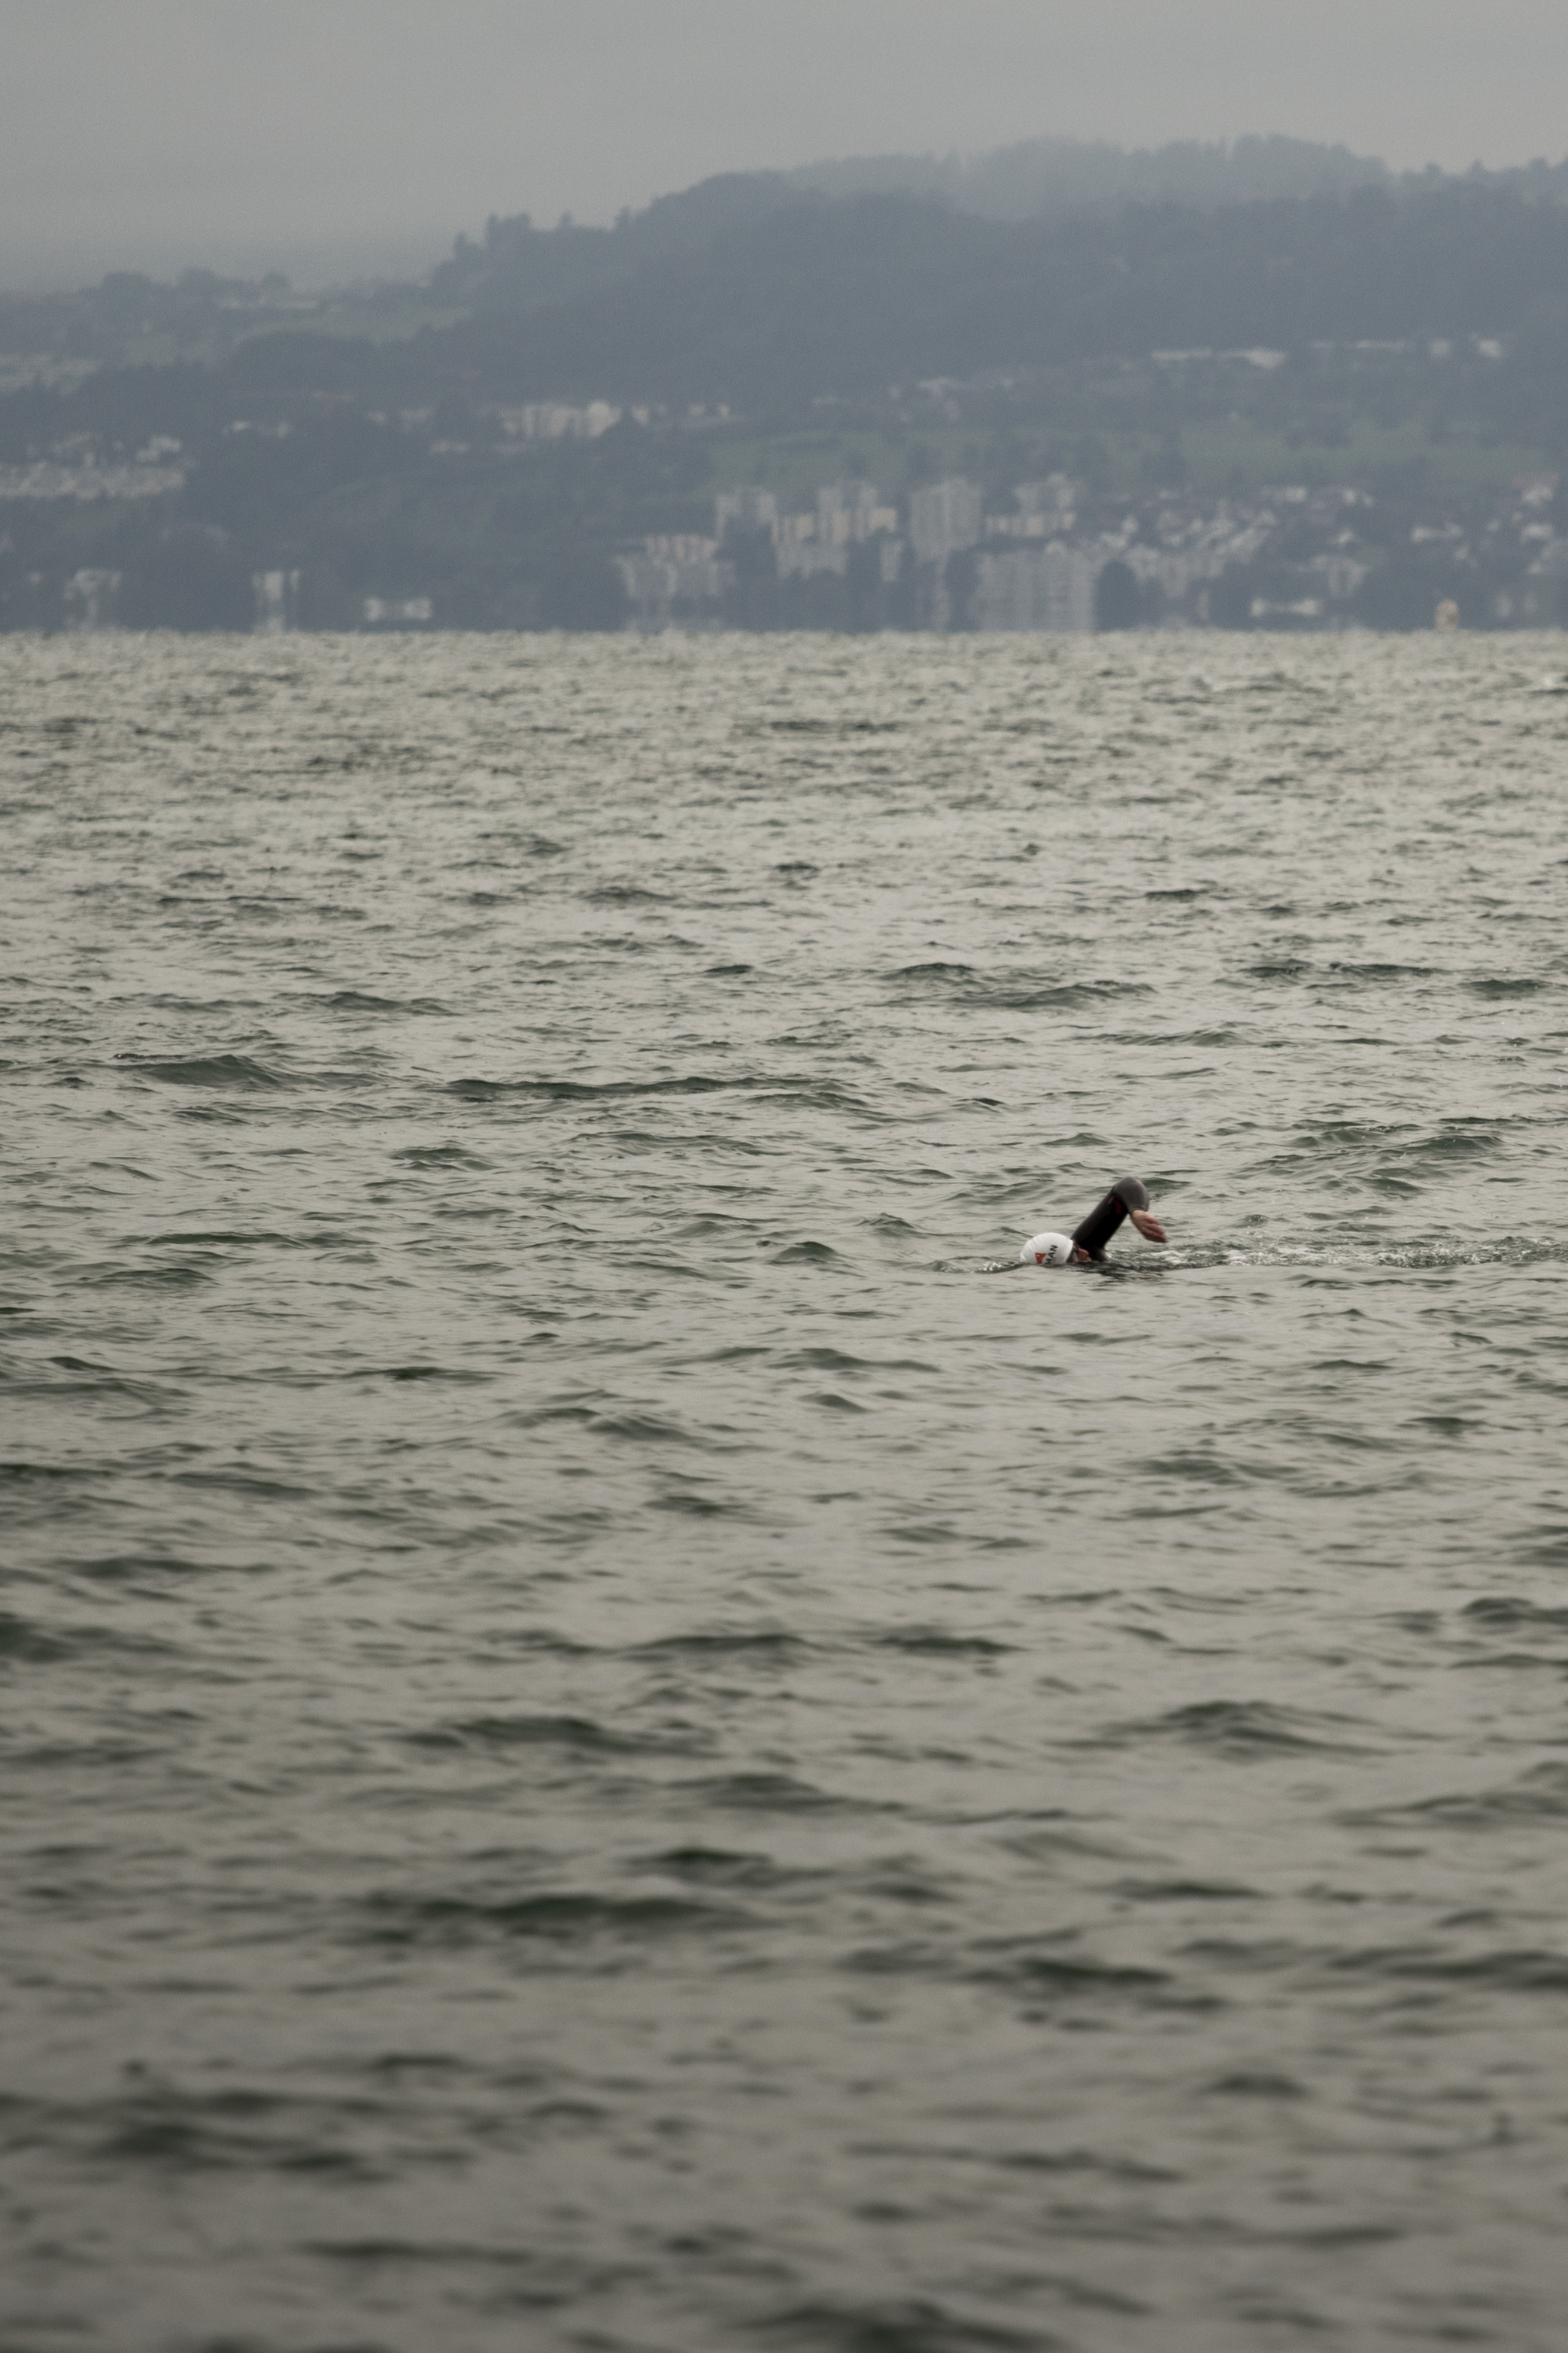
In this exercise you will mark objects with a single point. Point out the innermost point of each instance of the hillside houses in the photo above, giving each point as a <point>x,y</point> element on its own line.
<point>525,519</point>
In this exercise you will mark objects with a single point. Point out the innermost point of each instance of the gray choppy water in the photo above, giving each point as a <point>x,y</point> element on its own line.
<point>607,1745</point>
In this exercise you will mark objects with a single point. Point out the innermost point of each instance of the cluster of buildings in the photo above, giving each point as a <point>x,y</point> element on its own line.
<point>555,420</point>
<point>1295,556</point>
<point>91,602</point>
<point>74,470</point>
<point>43,371</point>
<point>1029,569</point>
<point>1048,556</point>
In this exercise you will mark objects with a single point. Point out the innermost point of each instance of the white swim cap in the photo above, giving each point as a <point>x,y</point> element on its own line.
<point>1045,1249</point>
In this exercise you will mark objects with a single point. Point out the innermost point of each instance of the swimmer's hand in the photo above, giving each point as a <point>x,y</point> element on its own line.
<point>1149,1225</point>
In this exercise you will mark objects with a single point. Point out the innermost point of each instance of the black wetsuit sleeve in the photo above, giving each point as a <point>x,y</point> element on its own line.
<point>1102,1222</point>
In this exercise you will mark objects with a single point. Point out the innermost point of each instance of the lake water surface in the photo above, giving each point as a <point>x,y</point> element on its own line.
<point>608,1745</point>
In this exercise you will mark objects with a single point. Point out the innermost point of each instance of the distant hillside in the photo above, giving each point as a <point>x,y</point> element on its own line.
<point>846,297</point>
<point>1057,175</point>
<point>875,268</point>
<point>1288,389</point>
<point>519,266</point>
<point>1041,176</point>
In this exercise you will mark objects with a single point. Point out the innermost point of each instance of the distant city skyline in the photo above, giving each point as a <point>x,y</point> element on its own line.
<point>361,136</point>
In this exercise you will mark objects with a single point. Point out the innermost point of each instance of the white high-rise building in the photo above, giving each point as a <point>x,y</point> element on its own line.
<point>277,597</point>
<point>747,510</point>
<point>1056,498</point>
<point>1049,589</point>
<point>852,510</point>
<point>675,581</point>
<point>944,517</point>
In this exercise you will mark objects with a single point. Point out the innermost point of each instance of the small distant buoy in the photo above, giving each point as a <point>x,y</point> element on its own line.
<point>1447,615</point>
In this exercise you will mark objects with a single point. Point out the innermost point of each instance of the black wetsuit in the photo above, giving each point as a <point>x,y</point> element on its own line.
<point>1102,1222</point>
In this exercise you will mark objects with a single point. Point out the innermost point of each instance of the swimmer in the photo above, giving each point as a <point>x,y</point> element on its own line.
<point>1085,1246</point>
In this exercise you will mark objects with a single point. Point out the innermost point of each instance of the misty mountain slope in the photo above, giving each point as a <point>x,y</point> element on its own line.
<point>521,268</point>
<point>1079,205</point>
<point>1042,175</point>
<point>520,265</point>
<point>845,297</point>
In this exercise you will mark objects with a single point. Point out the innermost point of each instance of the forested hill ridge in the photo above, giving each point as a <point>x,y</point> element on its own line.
<point>1035,176</point>
<point>1034,180</point>
<point>497,443</point>
<point>848,297</point>
<point>1042,208</point>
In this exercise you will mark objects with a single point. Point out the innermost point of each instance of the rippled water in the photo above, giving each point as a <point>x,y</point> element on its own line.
<point>608,1746</point>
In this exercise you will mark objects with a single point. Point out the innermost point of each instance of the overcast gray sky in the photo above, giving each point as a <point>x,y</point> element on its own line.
<point>327,136</point>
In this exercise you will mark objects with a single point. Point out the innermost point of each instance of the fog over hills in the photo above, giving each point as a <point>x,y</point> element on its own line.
<point>847,297</point>
<point>1032,180</point>
<point>1037,180</point>
<point>1040,175</point>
